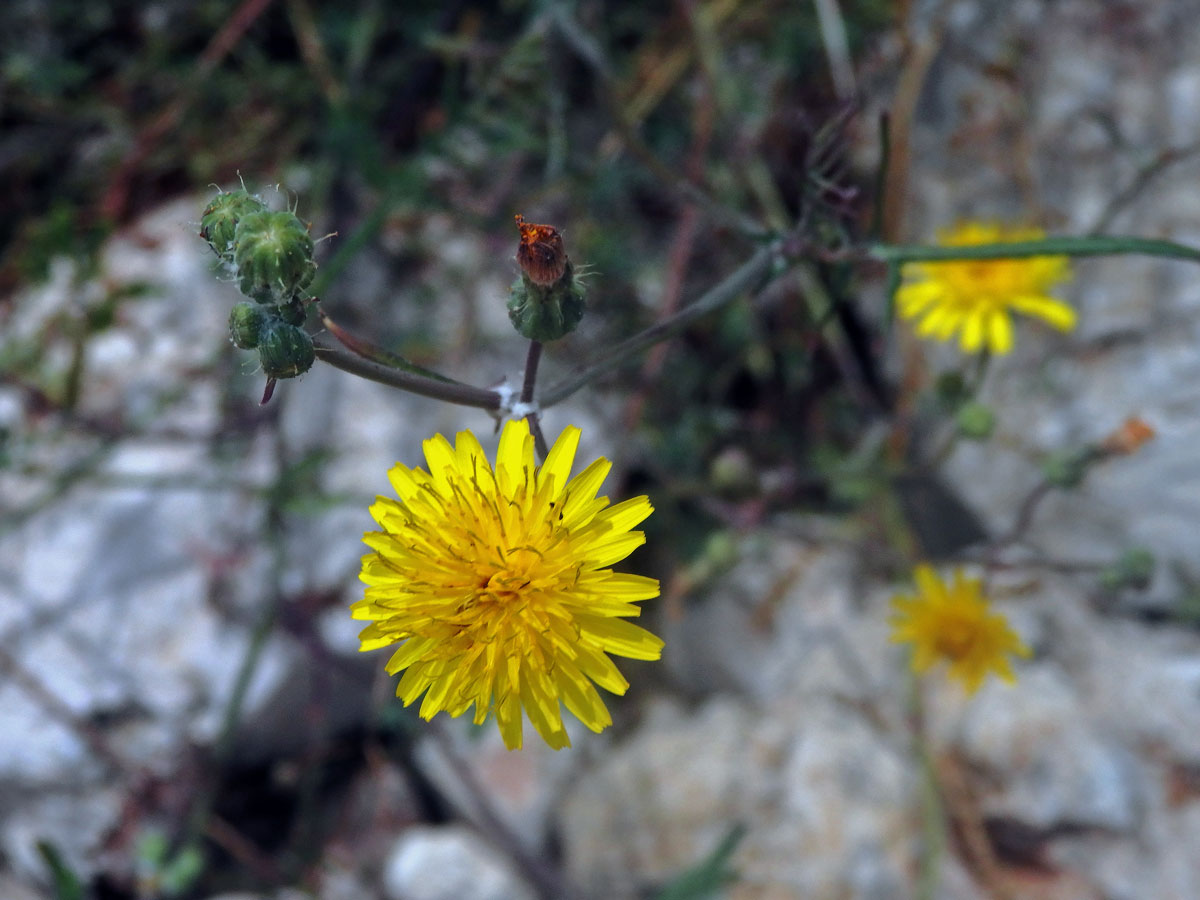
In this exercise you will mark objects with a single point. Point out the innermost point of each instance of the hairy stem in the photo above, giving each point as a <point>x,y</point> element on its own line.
<point>461,394</point>
<point>527,388</point>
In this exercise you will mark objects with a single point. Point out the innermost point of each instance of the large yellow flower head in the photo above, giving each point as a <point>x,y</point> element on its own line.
<point>954,622</point>
<point>495,583</point>
<point>975,296</point>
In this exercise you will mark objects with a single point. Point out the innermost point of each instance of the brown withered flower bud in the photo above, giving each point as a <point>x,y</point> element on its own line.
<point>541,253</point>
<point>1129,438</point>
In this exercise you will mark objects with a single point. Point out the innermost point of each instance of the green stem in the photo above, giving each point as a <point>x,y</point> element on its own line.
<point>529,383</point>
<point>376,354</point>
<point>200,813</point>
<point>933,815</point>
<point>461,394</point>
<point>745,279</point>
<point>202,806</point>
<point>1051,246</point>
<point>528,386</point>
<point>932,827</point>
<point>974,384</point>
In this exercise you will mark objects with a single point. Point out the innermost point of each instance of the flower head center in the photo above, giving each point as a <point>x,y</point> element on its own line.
<point>505,586</point>
<point>955,636</point>
<point>983,282</point>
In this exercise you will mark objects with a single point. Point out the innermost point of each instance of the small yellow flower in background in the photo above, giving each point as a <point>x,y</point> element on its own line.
<point>495,583</point>
<point>954,622</point>
<point>976,296</point>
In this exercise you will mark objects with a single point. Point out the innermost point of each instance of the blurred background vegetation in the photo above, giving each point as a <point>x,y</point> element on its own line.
<point>667,141</point>
<point>608,120</point>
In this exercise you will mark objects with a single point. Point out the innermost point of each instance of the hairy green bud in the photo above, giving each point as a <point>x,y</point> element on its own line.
<point>1067,468</point>
<point>546,312</point>
<point>975,420</point>
<point>732,473</point>
<point>273,256</point>
<point>285,351</point>
<point>1135,569</point>
<point>248,322</point>
<point>218,225</point>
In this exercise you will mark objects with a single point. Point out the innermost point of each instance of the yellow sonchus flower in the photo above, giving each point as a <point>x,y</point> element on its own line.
<point>976,296</point>
<point>495,583</point>
<point>954,622</point>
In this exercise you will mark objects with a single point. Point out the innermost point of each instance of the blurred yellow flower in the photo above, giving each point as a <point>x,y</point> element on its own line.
<point>954,622</point>
<point>495,584</point>
<point>976,296</point>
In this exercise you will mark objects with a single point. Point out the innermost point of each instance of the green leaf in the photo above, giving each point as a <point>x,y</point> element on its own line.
<point>709,876</point>
<point>183,871</point>
<point>66,883</point>
<point>1050,246</point>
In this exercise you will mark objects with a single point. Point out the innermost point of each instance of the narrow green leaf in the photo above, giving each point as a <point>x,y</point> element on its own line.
<point>710,875</point>
<point>66,883</point>
<point>1051,246</point>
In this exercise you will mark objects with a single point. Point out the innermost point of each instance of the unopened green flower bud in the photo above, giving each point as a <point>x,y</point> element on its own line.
<point>732,473</point>
<point>273,256</point>
<point>975,420</point>
<point>285,351</point>
<point>546,312</point>
<point>218,225</point>
<point>721,550</point>
<point>247,323</point>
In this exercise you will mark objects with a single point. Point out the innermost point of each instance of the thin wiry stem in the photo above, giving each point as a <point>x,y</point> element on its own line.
<point>933,814</point>
<point>747,278</point>
<point>374,353</point>
<point>1148,173</point>
<point>837,47</point>
<point>204,801</point>
<point>546,880</point>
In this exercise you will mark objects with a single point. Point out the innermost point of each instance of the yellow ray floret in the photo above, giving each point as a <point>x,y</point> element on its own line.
<point>955,623</point>
<point>974,298</point>
<point>495,584</point>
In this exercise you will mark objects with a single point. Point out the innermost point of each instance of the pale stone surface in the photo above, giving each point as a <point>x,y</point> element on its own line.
<point>449,863</point>
<point>812,751</point>
<point>826,799</point>
<point>106,594</point>
<point>522,787</point>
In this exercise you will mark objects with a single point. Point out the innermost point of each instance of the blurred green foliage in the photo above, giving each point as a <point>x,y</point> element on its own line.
<point>380,118</point>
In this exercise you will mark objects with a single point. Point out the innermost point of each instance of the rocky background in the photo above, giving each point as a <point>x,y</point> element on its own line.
<point>183,711</point>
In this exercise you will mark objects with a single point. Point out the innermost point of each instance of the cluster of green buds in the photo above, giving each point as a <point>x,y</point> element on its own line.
<point>270,254</point>
<point>547,300</point>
